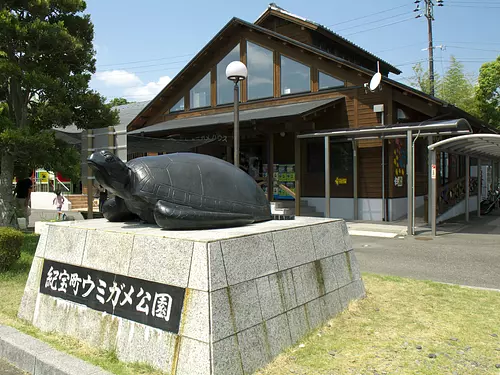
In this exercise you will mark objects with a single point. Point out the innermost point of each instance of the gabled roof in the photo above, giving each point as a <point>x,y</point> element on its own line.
<point>127,112</point>
<point>227,29</point>
<point>275,10</point>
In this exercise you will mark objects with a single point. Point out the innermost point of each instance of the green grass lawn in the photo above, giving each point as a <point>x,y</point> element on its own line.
<point>404,326</point>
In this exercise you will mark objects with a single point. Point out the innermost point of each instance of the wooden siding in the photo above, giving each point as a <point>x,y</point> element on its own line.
<point>370,173</point>
<point>288,29</point>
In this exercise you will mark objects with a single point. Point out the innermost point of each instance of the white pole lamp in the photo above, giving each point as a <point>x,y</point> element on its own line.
<point>236,71</point>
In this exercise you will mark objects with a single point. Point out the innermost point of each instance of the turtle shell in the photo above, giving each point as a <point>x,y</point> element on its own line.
<point>199,181</point>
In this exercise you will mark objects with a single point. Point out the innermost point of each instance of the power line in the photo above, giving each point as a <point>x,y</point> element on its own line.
<point>474,49</point>
<point>367,16</point>
<point>192,54</point>
<point>143,61</point>
<point>379,27</point>
<point>147,66</point>
<point>368,23</point>
<point>399,47</point>
<point>474,6</point>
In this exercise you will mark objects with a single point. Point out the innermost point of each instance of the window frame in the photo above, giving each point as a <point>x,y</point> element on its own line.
<point>330,88</point>
<point>183,98</point>
<point>282,94</point>
<point>272,73</point>
<point>209,105</point>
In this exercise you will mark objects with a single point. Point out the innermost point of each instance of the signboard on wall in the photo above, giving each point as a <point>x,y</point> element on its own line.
<point>153,304</point>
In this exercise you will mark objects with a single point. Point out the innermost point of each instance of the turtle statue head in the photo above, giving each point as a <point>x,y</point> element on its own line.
<point>110,172</point>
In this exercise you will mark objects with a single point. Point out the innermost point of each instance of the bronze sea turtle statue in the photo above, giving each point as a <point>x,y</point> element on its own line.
<point>179,191</point>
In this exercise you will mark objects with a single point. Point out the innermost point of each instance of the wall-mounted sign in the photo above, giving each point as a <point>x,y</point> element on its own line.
<point>398,181</point>
<point>433,173</point>
<point>340,181</point>
<point>208,137</point>
<point>153,304</point>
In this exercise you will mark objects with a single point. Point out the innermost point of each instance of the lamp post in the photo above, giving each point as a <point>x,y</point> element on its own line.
<point>236,71</point>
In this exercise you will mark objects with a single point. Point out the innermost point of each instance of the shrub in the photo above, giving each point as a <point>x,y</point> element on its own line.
<point>11,241</point>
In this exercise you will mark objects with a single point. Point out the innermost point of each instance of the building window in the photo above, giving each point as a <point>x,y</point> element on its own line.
<point>260,65</point>
<point>225,88</point>
<point>200,93</point>
<point>179,106</point>
<point>327,81</point>
<point>295,77</point>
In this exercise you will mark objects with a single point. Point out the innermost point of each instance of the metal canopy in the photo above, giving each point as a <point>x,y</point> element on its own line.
<point>410,131</point>
<point>482,146</point>
<point>444,127</point>
<point>277,111</point>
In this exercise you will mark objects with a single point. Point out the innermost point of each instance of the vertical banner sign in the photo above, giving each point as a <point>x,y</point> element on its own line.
<point>153,304</point>
<point>433,172</point>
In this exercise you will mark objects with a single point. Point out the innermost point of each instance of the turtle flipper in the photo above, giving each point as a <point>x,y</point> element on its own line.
<point>172,216</point>
<point>114,209</point>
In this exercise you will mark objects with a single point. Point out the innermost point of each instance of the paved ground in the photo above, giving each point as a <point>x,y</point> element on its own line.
<point>7,369</point>
<point>462,253</point>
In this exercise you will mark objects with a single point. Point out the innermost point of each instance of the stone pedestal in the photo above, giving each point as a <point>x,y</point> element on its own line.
<point>232,299</point>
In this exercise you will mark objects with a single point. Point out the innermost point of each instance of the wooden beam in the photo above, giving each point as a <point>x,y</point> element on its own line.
<point>314,79</point>
<point>415,103</point>
<point>187,101</point>
<point>270,166</point>
<point>277,74</point>
<point>298,172</point>
<point>213,86</point>
<point>389,110</point>
<point>356,109</point>
<point>244,60</point>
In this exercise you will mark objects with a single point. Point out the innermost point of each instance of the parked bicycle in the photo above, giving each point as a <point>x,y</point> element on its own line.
<point>492,201</point>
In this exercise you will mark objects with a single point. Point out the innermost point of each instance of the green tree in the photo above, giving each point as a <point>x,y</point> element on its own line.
<point>455,88</point>
<point>118,101</point>
<point>420,79</point>
<point>487,99</point>
<point>46,62</point>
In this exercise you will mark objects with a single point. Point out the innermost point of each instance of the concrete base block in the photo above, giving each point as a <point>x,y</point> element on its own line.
<point>246,294</point>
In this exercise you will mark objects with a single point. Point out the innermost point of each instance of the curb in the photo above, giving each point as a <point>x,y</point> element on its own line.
<point>38,358</point>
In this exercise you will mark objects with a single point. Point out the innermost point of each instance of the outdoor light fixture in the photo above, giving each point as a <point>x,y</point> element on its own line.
<point>236,71</point>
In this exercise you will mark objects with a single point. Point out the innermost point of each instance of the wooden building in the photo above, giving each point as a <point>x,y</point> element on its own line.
<point>302,77</point>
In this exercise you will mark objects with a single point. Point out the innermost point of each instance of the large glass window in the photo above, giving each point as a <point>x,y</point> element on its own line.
<point>327,81</point>
<point>295,77</point>
<point>260,65</point>
<point>179,106</point>
<point>200,93</point>
<point>225,88</point>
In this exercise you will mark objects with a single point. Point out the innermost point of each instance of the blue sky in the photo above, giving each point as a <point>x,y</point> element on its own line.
<point>142,45</point>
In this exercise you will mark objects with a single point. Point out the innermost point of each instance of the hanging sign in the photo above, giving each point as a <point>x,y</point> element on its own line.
<point>433,172</point>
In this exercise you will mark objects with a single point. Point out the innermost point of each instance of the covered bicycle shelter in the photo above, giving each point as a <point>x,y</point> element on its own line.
<point>483,147</point>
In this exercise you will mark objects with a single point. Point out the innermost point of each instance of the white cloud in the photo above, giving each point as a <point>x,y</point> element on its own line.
<point>118,78</point>
<point>147,91</point>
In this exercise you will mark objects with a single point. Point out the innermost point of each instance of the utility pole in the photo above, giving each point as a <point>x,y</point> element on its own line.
<point>429,14</point>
